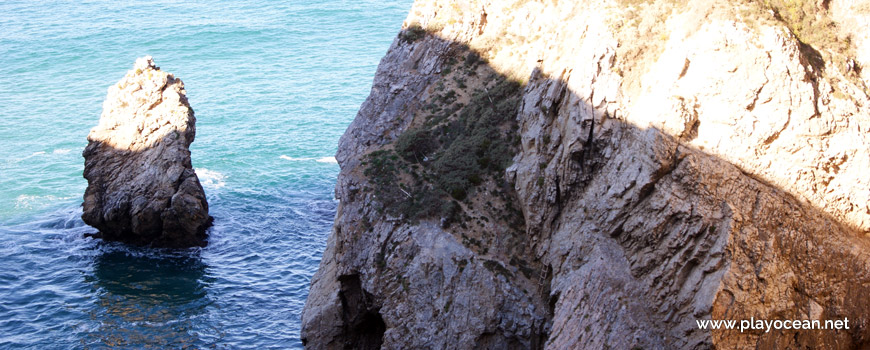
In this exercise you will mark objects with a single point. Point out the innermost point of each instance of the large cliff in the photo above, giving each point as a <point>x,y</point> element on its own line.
<point>602,174</point>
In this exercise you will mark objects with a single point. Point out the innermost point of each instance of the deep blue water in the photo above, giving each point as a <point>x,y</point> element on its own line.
<point>273,84</point>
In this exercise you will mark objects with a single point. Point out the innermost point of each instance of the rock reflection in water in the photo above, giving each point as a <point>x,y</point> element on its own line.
<point>145,298</point>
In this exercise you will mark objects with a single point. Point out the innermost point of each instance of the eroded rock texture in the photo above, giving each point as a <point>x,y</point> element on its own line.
<point>142,188</point>
<point>673,162</point>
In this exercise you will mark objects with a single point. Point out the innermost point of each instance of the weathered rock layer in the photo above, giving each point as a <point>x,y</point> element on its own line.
<point>142,188</point>
<point>673,162</point>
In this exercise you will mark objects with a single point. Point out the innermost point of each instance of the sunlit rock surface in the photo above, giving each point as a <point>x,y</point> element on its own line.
<point>142,188</point>
<point>675,162</point>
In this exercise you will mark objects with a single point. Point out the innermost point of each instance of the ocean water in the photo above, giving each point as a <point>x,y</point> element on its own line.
<point>273,84</point>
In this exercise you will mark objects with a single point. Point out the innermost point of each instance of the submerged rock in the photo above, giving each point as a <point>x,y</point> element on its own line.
<point>142,188</point>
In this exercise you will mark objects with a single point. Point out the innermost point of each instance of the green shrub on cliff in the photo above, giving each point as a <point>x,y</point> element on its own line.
<point>416,144</point>
<point>454,153</point>
<point>478,143</point>
<point>475,144</point>
<point>413,33</point>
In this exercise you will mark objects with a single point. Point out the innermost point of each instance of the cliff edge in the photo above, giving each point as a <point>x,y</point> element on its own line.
<point>142,188</point>
<point>604,174</point>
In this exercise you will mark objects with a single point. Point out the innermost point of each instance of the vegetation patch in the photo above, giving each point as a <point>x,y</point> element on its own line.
<point>448,167</point>
<point>523,266</point>
<point>413,33</point>
<point>809,22</point>
<point>807,19</point>
<point>429,169</point>
<point>642,33</point>
<point>497,268</point>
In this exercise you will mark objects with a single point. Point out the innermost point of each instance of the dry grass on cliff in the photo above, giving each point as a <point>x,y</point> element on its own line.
<point>809,22</point>
<point>642,30</point>
<point>823,43</point>
<point>807,19</point>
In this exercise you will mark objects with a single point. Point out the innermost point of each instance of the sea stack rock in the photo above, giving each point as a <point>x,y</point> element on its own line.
<point>142,189</point>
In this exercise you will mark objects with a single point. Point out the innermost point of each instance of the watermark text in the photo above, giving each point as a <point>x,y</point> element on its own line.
<point>767,325</point>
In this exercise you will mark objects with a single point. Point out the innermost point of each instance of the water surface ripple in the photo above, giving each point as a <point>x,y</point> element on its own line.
<point>273,86</point>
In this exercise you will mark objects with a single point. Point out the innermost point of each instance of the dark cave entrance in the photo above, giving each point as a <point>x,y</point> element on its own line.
<point>364,326</point>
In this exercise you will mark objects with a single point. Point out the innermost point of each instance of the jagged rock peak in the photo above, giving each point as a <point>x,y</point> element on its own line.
<point>142,188</point>
<point>143,63</point>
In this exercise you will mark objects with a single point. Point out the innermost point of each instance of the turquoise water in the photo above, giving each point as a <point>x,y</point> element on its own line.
<point>273,84</point>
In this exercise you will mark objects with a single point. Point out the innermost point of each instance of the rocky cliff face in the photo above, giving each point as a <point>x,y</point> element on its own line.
<point>666,162</point>
<point>141,186</point>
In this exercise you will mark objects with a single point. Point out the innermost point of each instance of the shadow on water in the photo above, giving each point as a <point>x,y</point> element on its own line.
<point>148,298</point>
